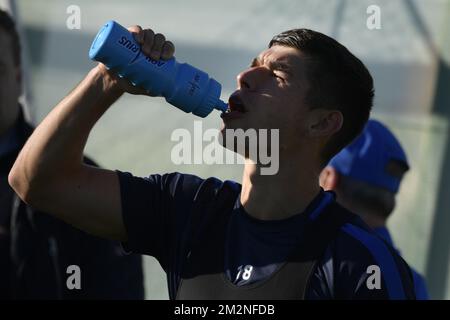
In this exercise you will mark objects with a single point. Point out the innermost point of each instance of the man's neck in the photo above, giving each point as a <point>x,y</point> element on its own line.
<point>370,217</point>
<point>374,220</point>
<point>279,196</point>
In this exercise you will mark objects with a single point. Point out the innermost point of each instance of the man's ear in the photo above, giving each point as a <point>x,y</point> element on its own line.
<point>323,122</point>
<point>329,178</point>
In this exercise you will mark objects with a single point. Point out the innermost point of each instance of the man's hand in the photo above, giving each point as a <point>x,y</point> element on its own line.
<point>153,45</point>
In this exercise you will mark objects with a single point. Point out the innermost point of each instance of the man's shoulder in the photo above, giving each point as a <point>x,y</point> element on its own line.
<point>420,285</point>
<point>180,188</point>
<point>192,184</point>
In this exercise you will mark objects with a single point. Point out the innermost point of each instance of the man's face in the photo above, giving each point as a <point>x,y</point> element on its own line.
<point>10,85</point>
<point>270,95</point>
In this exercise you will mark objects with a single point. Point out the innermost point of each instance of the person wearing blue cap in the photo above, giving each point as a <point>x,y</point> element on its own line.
<point>366,177</point>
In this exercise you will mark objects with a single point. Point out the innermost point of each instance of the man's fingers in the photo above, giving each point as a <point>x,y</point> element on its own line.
<point>149,38</point>
<point>168,50</point>
<point>153,45</point>
<point>158,43</point>
<point>137,32</point>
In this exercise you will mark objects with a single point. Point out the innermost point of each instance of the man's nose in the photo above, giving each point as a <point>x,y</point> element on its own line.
<point>251,78</point>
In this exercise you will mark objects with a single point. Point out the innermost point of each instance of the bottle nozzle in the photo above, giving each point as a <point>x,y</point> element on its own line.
<point>221,106</point>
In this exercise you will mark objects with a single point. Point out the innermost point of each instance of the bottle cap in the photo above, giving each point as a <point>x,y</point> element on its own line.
<point>105,46</point>
<point>221,106</point>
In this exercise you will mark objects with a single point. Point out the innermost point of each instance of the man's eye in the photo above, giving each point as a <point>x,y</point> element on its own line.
<point>278,75</point>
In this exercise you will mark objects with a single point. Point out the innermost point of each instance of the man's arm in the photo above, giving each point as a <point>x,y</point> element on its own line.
<point>49,174</point>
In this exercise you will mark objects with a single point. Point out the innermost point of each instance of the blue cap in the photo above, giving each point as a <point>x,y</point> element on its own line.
<point>367,157</point>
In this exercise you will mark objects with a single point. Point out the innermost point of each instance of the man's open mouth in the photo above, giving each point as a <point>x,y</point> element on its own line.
<point>235,105</point>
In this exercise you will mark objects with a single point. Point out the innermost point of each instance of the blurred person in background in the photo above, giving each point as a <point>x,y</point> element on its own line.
<point>366,177</point>
<point>35,248</point>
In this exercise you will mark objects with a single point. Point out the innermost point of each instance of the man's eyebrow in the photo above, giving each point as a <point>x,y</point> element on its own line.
<point>281,66</point>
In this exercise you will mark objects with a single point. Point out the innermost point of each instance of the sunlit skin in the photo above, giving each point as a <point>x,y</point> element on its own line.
<point>273,96</point>
<point>273,90</point>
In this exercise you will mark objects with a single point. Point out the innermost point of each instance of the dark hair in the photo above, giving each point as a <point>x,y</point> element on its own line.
<point>338,80</point>
<point>8,24</point>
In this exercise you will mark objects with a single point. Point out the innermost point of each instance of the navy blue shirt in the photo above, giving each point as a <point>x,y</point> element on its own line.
<point>156,212</point>
<point>248,237</point>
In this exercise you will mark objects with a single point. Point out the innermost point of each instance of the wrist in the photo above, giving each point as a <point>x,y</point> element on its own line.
<point>106,82</point>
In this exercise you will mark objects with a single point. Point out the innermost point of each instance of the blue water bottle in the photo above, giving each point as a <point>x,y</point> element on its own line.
<point>183,86</point>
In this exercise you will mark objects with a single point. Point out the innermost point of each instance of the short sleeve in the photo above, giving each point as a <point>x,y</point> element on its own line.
<point>155,210</point>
